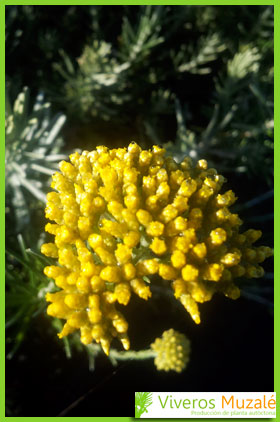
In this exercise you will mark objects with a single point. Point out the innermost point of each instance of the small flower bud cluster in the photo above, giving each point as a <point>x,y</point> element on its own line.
<point>124,214</point>
<point>172,351</point>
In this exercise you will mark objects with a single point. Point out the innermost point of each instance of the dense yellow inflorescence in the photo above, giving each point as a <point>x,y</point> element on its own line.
<point>172,351</point>
<point>124,214</point>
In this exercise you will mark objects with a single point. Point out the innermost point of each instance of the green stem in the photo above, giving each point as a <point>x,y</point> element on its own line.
<point>132,354</point>
<point>124,355</point>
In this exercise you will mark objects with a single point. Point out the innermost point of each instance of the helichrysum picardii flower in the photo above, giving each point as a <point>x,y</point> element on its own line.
<point>123,214</point>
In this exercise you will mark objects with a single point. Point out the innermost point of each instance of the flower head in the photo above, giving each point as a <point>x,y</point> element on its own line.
<point>172,351</point>
<point>121,215</point>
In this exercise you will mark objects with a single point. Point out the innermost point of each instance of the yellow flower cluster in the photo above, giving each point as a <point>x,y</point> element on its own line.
<point>121,215</point>
<point>172,351</point>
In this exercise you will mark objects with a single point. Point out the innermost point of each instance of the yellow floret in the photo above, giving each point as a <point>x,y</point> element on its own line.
<point>78,319</point>
<point>151,265</point>
<point>54,271</point>
<point>158,246</point>
<point>76,301</point>
<point>95,240</point>
<point>188,187</point>
<point>84,226</point>
<point>178,259</point>
<point>132,202</point>
<point>140,288</point>
<point>202,164</point>
<point>149,185</point>
<point>130,219</point>
<point>112,227</point>
<point>231,259</point>
<point>86,336</point>
<point>110,274</point>
<point>83,285</point>
<point>52,229</point>
<point>218,236</point>
<point>49,249</point>
<point>168,213</point>
<point>144,217</point>
<point>94,315</point>
<point>106,257</point>
<point>123,293</point>
<point>131,239</point>
<point>163,190</point>
<point>145,158</point>
<point>190,273</point>
<point>67,329</point>
<point>181,203</point>
<point>155,228</point>
<point>123,254</point>
<point>97,284</point>
<point>213,272</point>
<point>88,269</point>
<point>68,170</point>
<point>191,306</point>
<point>128,271</point>
<point>167,272</point>
<point>200,250</point>
<point>59,309</point>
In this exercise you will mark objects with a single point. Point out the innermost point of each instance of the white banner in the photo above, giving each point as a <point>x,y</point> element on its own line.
<point>205,405</point>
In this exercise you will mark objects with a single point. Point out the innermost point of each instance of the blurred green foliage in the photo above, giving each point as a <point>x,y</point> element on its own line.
<point>32,154</point>
<point>25,296</point>
<point>207,70</point>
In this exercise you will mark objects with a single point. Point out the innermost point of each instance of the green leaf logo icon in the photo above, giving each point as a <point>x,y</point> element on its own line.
<point>142,401</point>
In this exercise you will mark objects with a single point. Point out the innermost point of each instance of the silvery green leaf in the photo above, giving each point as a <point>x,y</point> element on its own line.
<point>56,157</point>
<point>42,169</point>
<point>30,186</point>
<point>56,124</point>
